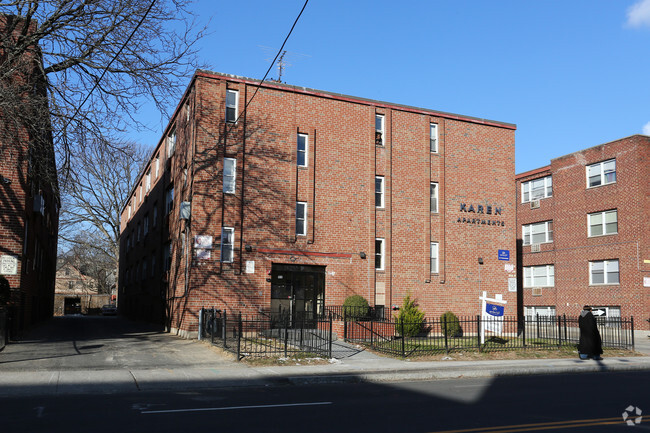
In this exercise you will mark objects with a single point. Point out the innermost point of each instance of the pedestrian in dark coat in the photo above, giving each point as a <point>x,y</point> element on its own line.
<point>590,346</point>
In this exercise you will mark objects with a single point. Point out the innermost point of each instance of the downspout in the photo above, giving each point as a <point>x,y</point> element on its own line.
<point>444,186</point>
<point>243,177</point>
<point>390,226</point>
<point>313,207</point>
<point>295,202</point>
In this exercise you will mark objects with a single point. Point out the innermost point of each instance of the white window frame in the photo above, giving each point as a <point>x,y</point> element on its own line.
<point>433,193</point>
<point>381,254</point>
<point>227,248</point>
<point>233,108</point>
<point>171,142</point>
<point>603,222</point>
<point>527,189</point>
<point>381,129</point>
<point>157,167</point>
<point>531,311</point>
<point>304,152</point>
<point>527,232</point>
<point>148,181</point>
<point>434,257</point>
<point>602,174</point>
<point>381,192</point>
<point>547,272</point>
<point>301,218</point>
<point>169,200</point>
<point>433,137</point>
<point>229,179</point>
<point>609,268</point>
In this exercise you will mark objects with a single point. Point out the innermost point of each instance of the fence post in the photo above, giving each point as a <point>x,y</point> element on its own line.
<point>224,329</point>
<point>537,320</point>
<point>286,335</point>
<point>566,332</point>
<point>345,326</point>
<point>444,330</point>
<point>239,331</point>
<point>559,331</point>
<point>632,330</point>
<point>372,322</point>
<point>403,338</point>
<point>200,324</point>
<point>331,338</point>
<point>478,333</point>
<point>523,333</point>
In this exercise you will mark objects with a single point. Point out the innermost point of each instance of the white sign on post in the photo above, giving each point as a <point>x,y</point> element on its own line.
<point>492,310</point>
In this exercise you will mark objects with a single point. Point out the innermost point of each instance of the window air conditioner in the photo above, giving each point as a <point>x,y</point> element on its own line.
<point>534,248</point>
<point>534,204</point>
<point>537,291</point>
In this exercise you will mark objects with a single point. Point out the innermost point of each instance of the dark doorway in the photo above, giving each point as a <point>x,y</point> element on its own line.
<point>297,292</point>
<point>72,306</point>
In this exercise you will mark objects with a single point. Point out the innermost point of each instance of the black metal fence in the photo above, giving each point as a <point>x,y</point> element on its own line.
<point>4,328</point>
<point>262,336</point>
<point>477,333</point>
<point>340,312</point>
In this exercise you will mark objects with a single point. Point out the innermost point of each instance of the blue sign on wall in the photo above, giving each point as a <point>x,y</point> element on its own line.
<point>504,254</point>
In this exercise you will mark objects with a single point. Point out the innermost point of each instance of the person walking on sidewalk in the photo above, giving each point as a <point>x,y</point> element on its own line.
<point>590,345</point>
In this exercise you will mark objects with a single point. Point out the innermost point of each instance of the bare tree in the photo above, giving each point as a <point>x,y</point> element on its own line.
<point>93,199</point>
<point>98,61</point>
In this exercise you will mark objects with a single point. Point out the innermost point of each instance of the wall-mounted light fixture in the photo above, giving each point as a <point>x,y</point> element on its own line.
<point>362,255</point>
<point>248,248</point>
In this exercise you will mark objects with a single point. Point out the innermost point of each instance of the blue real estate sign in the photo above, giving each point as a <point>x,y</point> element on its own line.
<point>504,254</point>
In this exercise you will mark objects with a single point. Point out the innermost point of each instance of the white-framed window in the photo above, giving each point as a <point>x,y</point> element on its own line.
<point>301,218</point>
<point>146,224</point>
<point>227,244</point>
<point>379,191</point>
<point>128,211</point>
<point>434,257</point>
<point>169,200</point>
<point>303,150</point>
<point>229,175</point>
<point>379,254</point>
<point>603,223</point>
<point>603,272</point>
<point>541,311</point>
<point>171,142</point>
<point>539,276</point>
<point>380,130</point>
<point>232,105</point>
<point>601,173</point>
<point>537,233</point>
<point>433,192</point>
<point>537,189</point>
<point>433,137</point>
<point>148,181</point>
<point>157,166</point>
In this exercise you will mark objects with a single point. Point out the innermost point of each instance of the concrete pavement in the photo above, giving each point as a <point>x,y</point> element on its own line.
<point>354,365</point>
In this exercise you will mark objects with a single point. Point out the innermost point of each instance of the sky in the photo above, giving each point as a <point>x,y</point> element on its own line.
<point>570,74</point>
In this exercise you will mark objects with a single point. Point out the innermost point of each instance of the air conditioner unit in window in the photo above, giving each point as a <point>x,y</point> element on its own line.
<point>534,248</point>
<point>537,291</point>
<point>534,204</point>
<point>39,204</point>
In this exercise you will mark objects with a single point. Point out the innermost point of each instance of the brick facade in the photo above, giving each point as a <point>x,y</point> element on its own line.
<point>29,203</point>
<point>624,198</point>
<point>473,168</point>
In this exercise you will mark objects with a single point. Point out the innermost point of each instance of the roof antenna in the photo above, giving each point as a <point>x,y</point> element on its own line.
<point>283,60</point>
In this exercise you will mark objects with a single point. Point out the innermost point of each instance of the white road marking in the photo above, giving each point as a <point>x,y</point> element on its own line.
<point>266,406</point>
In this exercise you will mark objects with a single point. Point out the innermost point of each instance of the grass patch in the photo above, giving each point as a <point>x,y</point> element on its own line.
<point>290,360</point>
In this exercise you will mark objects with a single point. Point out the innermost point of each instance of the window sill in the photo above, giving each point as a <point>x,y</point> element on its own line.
<point>601,185</point>
<point>605,285</point>
<point>601,236</point>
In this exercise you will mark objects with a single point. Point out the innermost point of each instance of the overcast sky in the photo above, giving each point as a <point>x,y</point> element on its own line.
<point>570,74</point>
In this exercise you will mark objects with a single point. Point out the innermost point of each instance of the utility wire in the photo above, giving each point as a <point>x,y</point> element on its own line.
<point>109,65</point>
<point>270,67</point>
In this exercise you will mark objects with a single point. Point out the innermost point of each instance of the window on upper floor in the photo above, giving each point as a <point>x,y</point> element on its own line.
<point>154,220</point>
<point>302,152</point>
<point>229,175</point>
<point>148,181</point>
<point>539,276</point>
<point>379,192</point>
<point>433,137</point>
<point>601,173</point>
<point>146,224</point>
<point>171,142</point>
<point>232,105</point>
<point>379,130</point>
<point>433,192</point>
<point>538,233</point>
<point>433,257</point>
<point>603,223</point>
<point>169,200</point>
<point>227,244</point>
<point>536,189</point>
<point>301,218</point>
<point>157,164</point>
<point>379,254</point>
<point>603,272</point>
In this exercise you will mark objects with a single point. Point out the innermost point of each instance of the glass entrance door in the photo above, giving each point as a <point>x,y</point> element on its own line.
<point>297,292</point>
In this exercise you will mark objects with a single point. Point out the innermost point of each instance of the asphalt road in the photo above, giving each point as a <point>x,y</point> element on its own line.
<point>576,403</point>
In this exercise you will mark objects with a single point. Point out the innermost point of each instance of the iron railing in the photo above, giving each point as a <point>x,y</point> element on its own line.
<point>477,333</point>
<point>262,336</point>
<point>340,312</point>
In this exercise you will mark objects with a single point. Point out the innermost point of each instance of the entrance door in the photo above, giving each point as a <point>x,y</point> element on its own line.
<point>297,292</point>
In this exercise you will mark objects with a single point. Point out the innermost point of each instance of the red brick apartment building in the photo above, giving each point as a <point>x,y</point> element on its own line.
<point>276,197</point>
<point>29,201</point>
<point>583,232</point>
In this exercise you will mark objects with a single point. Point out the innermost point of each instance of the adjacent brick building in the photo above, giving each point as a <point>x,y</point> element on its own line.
<point>29,200</point>
<point>277,197</point>
<point>583,232</point>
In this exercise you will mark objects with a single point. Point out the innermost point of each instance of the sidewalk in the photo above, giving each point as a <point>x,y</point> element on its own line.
<point>354,366</point>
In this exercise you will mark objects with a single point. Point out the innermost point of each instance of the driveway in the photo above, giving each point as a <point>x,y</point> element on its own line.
<point>104,343</point>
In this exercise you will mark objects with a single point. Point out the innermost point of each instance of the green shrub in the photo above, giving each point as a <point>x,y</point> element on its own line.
<point>355,307</point>
<point>410,320</point>
<point>453,325</point>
